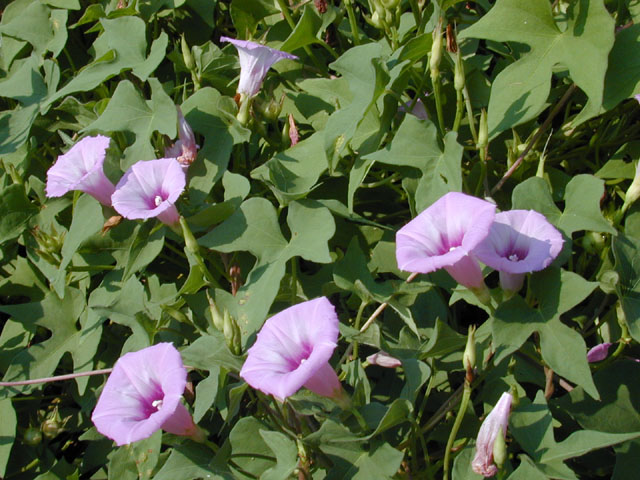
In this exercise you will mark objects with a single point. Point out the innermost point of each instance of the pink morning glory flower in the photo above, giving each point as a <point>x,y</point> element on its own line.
<point>520,241</point>
<point>444,235</point>
<point>150,189</point>
<point>142,395</point>
<point>81,169</point>
<point>598,353</point>
<point>185,150</point>
<point>255,62</point>
<point>495,424</point>
<point>293,349</point>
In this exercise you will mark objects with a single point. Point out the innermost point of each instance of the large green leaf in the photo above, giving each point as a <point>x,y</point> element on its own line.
<point>254,228</point>
<point>623,76</point>
<point>625,250</point>
<point>121,46</point>
<point>129,111</point>
<point>15,212</point>
<point>59,316</point>
<point>519,92</point>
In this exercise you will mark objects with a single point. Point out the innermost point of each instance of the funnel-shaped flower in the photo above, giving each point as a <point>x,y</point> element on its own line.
<point>81,169</point>
<point>142,395</point>
<point>150,189</point>
<point>520,241</point>
<point>495,424</point>
<point>185,150</point>
<point>293,350</point>
<point>255,62</point>
<point>598,353</point>
<point>443,236</point>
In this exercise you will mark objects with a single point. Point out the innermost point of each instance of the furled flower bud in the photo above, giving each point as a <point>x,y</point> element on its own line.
<point>383,359</point>
<point>469,355</point>
<point>436,51</point>
<point>493,426</point>
<point>483,131</point>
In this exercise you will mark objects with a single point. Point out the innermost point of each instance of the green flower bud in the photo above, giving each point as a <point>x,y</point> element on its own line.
<point>186,55</point>
<point>469,356</point>
<point>499,451</point>
<point>32,436</point>
<point>483,131</point>
<point>216,317</point>
<point>436,51</point>
<point>458,76</point>
<point>190,241</point>
<point>231,333</point>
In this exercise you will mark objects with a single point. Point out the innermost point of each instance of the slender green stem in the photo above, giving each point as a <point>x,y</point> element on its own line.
<point>352,22</point>
<point>438,99</point>
<point>466,395</point>
<point>459,110</point>
<point>294,280</point>
<point>470,119</point>
<point>363,305</point>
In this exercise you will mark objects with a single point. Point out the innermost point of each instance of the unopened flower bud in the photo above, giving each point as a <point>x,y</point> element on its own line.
<point>483,131</point>
<point>244,114</point>
<point>186,54</point>
<point>499,451</point>
<point>383,359</point>
<point>436,51</point>
<point>216,317</point>
<point>190,242</point>
<point>469,356</point>
<point>458,76</point>
<point>231,331</point>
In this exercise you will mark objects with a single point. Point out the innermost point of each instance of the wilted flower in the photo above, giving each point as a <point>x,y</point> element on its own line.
<point>444,235</point>
<point>383,359</point>
<point>418,110</point>
<point>185,150</point>
<point>81,169</point>
<point>150,189</point>
<point>495,424</point>
<point>255,62</point>
<point>598,353</point>
<point>142,395</point>
<point>520,241</point>
<point>293,349</point>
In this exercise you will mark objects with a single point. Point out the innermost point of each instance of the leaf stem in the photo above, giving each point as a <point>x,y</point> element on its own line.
<point>535,138</point>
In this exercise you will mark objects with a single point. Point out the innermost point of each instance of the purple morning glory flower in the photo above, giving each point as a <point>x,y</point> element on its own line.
<point>495,424</point>
<point>255,62</point>
<point>444,235</point>
<point>520,241</point>
<point>598,353</point>
<point>150,189</point>
<point>185,150</point>
<point>81,169</point>
<point>142,395</point>
<point>293,349</point>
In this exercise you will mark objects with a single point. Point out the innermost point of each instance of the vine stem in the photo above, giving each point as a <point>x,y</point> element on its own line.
<point>370,320</point>
<point>466,395</point>
<point>58,378</point>
<point>535,138</point>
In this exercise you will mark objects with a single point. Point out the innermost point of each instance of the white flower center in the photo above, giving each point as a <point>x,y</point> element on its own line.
<point>158,200</point>
<point>157,404</point>
<point>514,258</point>
<point>452,249</point>
<point>302,361</point>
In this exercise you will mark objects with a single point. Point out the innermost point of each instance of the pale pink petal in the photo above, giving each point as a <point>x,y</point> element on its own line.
<point>255,62</point>
<point>443,235</point>
<point>143,393</point>
<point>81,169</point>
<point>293,349</point>
<point>150,189</point>
<point>495,424</point>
